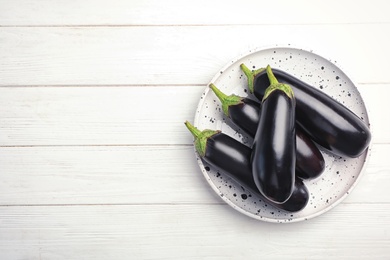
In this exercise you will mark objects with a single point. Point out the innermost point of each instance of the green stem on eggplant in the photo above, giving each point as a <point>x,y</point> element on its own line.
<point>200,137</point>
<point>275,85</point>
<point>226,100</point>
<point>250,74</point>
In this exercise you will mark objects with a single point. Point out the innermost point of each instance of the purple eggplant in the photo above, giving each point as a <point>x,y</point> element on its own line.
<point>232,158</point>
<point>274,146</point>
<point>326,121</point>
<point>245,113</point>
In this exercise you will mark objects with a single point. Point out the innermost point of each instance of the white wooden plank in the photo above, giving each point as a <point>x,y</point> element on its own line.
<point>123,115</point>
<point>134,175</point>
<point>90,175</point>
<point>189,232</point>
<point>102,115</point>
<point>176,54</point>
<point>376,103</point>
<point>375,179</point>
<point>68,152</point>
<point>174,12</point>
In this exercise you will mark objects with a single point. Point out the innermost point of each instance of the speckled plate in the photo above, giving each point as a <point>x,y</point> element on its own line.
<point>341,174</point>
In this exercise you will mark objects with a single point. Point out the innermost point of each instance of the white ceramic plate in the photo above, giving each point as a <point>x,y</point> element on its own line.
<point>340,175</point>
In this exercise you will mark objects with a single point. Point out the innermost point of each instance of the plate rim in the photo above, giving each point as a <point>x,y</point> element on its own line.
<point>367,153</point>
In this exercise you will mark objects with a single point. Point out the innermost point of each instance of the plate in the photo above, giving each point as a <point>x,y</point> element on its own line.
<point>341,174</point>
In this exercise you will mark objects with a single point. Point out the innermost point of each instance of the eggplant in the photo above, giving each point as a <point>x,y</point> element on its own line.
<point>245,113</point>
<point>274,146</point>
<point>232,158</point>
<point>310,162</point>
<point>326,121</point>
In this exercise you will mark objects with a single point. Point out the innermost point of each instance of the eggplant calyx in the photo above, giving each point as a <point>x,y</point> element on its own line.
<point>226,100</point>
<point>275,85</point>
<point>251,74</point>
<point>201,137</point>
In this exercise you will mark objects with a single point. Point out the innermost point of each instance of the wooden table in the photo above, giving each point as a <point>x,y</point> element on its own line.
<point>95,162</point>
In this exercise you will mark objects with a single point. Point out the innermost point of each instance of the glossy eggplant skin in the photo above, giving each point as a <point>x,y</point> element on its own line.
<point>274,148</point>
<point>233,158</point>
<point>230,156</point>
<point>310,162</point>
<point>326,121</point>
<point>246,115</point>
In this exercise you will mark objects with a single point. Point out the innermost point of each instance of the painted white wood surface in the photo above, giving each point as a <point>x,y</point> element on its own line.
<point>132,175</point>
<point>123,115</point>
<point>176,55</point>
<point>188,232</point>
<point>201,12</point>
<point>95,162</point>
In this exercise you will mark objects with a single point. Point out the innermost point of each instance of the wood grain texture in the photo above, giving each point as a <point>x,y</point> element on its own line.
<point>123,115</point>
<point>102,175</point>
<point>175,55</point>
<point>188,232</point>
<point>95,162</point>
<point>176,12</point>
<point>97,116</point>
<point>134,175</point>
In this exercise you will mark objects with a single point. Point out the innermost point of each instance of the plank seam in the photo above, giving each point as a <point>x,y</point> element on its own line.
<point>185,25</point>
<point>155,204</point>
<point>137,85</point>
<point>95,145</point>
